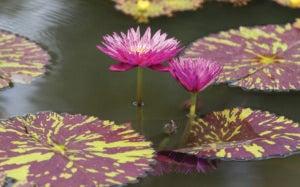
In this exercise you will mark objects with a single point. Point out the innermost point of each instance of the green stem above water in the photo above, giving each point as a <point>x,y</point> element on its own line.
<point>192,116</point>
<point>193,106</point>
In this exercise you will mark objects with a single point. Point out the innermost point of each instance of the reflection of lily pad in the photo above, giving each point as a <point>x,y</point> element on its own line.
<point>21,60</point>
<point>143,9</point>
<point>71,150</point>
<point>289,3</point>
<point>243,134</point>
<point>236,2</point>
<point>263,58</point>
<point>171,161</point>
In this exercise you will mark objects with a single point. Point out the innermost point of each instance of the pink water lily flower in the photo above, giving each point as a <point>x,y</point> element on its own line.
<point>194,74</point>
<point>132,50</point>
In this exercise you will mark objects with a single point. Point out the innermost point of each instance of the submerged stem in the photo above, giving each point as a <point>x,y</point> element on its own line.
<point>139,87</point>
<point>139,114</point>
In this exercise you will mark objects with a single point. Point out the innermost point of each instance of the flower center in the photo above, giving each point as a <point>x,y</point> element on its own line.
<point>268,59</point>
<point>139,49</point>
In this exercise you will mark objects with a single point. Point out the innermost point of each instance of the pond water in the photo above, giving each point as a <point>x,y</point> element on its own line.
<point>78,79</point>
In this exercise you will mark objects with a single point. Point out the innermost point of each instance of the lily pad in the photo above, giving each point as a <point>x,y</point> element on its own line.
<point>141,10</point>
<point>262,57</point>
<point>243,134</point>
<point>289,3</point>
<point>296,24</point>
<point>50,149</point>
<point>21,60</point>
<point>171,161</point>
<point>4,181</point>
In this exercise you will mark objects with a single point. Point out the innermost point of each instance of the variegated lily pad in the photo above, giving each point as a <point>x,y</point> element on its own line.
<point>5,182</point>
<point>2,178</point>
<point>141,10</point>
<point>243,134</point>
<point>289,3</point>
<point>50,149</point>
<point>263,57</point>
<point>296,24</point>
<point>171,161</point>
<point>21,60</point>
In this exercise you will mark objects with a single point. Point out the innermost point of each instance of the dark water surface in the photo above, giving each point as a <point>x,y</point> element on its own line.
<point>78,79</point>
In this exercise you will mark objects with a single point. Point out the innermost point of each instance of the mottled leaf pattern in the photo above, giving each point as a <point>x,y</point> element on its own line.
<point>21,60</point>
<point>243,134</point>
<point>262,58</point>
<point>2,178</point>
<point>71,150</point>
<point>296,24</point>
<point>141,10</point>
<point>11,182</point>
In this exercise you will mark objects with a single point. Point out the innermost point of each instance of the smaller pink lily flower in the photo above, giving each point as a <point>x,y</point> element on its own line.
<point>132,50</point>
<point>194,74</point>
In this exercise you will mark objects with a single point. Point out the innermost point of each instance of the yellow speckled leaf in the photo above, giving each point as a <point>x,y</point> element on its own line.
<point>141,10</point>
<point>21,60</point>
<point>257,58</point>
<point>50,149</point>
<point>243,134</point>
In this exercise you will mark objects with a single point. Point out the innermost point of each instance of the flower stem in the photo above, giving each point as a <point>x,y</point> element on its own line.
<point>191,119</point>
<point>139,87</point>
<point>193,106</point>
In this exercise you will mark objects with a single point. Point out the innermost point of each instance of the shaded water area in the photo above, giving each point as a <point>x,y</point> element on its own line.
<point>78,79</point>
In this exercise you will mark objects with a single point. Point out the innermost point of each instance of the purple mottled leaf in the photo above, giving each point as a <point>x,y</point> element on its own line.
<point>21,60</point>
<point>243,134</point>
<point>262,58</point>
<point>50,149</point>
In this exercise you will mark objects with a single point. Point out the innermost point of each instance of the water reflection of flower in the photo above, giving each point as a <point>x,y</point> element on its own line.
<point>132,50</point>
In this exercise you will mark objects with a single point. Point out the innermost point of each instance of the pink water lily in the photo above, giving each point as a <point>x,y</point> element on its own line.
<point>132,50</point>
<point>194,74</point>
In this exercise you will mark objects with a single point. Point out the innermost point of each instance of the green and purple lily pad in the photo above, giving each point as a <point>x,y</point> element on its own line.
<point>243,134</point>
<point>261,58</point>
<point>50,149</point>
<point>21,60</point>
<point>141,10</point>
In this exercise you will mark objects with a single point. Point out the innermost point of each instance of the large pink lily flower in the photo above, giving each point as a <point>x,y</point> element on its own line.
<point>194,74</point>
<point>132,50</point>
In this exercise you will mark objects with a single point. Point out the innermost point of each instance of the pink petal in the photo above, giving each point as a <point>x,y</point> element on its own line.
<point>159,67</point>
<point>121,67</point>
